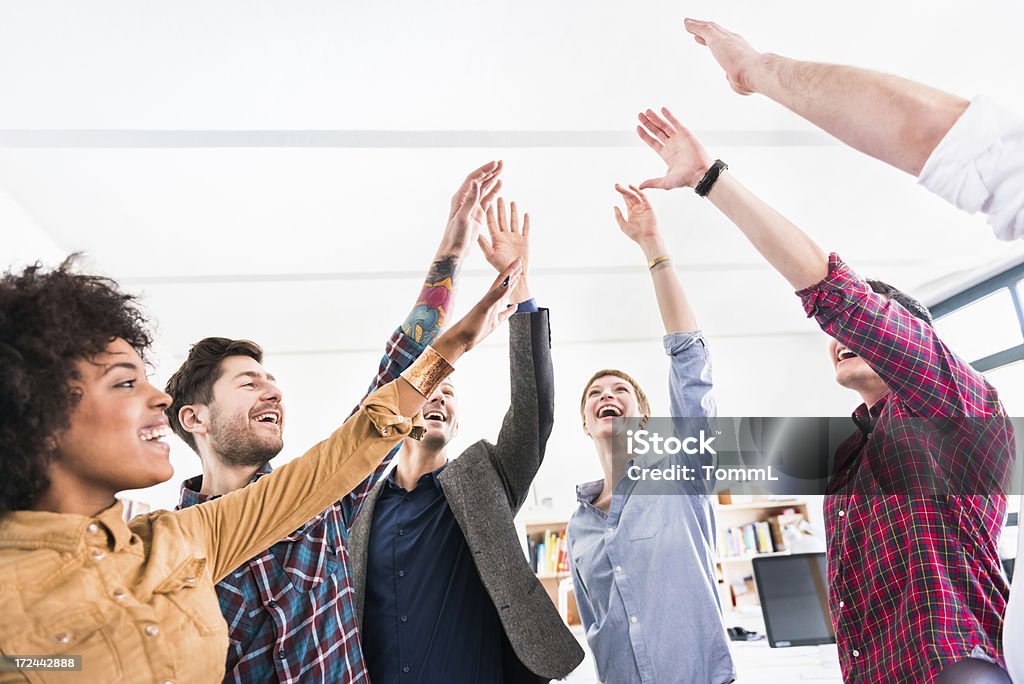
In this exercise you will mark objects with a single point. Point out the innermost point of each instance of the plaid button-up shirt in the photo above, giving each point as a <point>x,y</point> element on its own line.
<point>290,610</point>
<point>915,581</point>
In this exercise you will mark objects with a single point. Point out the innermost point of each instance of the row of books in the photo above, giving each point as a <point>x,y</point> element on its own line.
<point>549,553</point>
<point>751,539</point>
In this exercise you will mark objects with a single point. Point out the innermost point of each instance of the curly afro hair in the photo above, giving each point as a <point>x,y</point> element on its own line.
<point>50,320</point>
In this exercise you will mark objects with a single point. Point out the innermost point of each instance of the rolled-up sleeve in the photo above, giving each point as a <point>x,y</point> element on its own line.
<point>979,166</point>
<point>905,351</point>
<point>689,385</point>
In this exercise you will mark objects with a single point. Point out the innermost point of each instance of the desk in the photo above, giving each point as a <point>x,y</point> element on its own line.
<point>756,661</point>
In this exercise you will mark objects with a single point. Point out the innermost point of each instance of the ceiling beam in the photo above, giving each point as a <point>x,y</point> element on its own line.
<point>175,139</point>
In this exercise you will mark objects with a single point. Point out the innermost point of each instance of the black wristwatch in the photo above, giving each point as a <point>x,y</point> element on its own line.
<point>708,181</point>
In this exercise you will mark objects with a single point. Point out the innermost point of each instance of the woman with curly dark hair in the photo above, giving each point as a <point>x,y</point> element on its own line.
<point>80,421</point>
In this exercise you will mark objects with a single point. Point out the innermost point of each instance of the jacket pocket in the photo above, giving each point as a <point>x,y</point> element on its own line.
<point>200,607</point>
<point>81,633</point>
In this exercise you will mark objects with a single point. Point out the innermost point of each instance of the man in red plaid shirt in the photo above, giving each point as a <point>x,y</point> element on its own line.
<point>970,153</point>
<point>916,588</point>
<point>290,611</point>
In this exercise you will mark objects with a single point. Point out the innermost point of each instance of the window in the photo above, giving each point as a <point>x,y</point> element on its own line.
<point>1009,380</point>
<point>983,327</point>
<point>985,324</point>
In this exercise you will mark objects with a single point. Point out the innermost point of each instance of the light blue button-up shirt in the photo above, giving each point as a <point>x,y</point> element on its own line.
<point>644,573</point>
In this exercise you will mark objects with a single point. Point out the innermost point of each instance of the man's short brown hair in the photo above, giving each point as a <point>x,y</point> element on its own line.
<point>641,398</point>
<point>193,382</point>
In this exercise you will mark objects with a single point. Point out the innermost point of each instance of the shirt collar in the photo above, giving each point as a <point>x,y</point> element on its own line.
<point>190,488</point>
<point>62,531</point>
<point>588,491</point>
<point>112,519</point>
<point>865,418</point>
<point>424,478</point>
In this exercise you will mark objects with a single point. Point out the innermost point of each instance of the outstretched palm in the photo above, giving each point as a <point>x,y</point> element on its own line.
<point>639,224</point>
<point>685,157</point>
<point>508,240</point>
<point>469,207</point>
<point>732,52</point>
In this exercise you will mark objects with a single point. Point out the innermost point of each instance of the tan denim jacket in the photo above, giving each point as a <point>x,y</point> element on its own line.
<point>136,600</point>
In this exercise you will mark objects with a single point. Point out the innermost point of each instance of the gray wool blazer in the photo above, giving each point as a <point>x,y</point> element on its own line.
<point>485,487</point>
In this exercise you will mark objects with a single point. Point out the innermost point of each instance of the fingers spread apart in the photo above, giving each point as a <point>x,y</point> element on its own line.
<point>655,125</point>
<point>633,196</point>
<point>649,139</point>
<point>501,221</point>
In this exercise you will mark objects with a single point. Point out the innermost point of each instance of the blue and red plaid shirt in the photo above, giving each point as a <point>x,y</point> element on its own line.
<point>290,610</point>
<point>915,581</point>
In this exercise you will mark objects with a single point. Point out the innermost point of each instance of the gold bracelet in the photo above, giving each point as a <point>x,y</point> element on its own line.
<point>427,372</point>
<point>657,260</point>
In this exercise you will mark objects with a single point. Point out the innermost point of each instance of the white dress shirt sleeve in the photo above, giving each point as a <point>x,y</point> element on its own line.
<point>979,166</point>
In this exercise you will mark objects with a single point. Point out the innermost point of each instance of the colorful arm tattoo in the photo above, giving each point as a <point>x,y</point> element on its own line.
<point>427,317</point>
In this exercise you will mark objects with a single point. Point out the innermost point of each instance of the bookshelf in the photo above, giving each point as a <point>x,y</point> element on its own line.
<point>750,527</point>
<point>548,555</point>
<point>734,565</point>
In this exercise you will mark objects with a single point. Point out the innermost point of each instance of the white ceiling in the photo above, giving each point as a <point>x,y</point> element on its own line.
<point>282,171</point>
<point>525,65</point>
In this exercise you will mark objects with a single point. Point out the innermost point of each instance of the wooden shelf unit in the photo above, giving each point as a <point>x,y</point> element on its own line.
<point>736,573</point>
<point>538,530</point>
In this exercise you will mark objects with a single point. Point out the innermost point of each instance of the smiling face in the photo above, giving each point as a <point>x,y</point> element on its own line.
<point>115,440</point>
<point>244,421</point>
<point>441,417</point>
<point>853,372</point>
<point>606,398</point>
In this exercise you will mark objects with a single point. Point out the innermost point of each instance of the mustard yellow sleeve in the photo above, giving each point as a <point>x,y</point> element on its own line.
<point>239,525</point>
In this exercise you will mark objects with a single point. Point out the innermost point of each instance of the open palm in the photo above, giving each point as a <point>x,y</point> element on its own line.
<point>639,223</point>
<point>469,207</point>
<point>685,157</point>
<point>509,241</point>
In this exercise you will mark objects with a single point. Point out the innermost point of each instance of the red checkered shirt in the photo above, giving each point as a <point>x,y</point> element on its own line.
<point>290,610</point>
<point>915,581</point>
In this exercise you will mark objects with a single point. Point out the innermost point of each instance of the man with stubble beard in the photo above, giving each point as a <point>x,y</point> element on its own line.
<point>444,591</point>
<point>290,610</point>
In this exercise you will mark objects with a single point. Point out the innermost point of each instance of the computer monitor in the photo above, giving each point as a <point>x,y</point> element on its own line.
<point>794,599</point>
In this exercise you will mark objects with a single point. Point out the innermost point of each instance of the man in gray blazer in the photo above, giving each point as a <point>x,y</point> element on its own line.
<point>444,592</point>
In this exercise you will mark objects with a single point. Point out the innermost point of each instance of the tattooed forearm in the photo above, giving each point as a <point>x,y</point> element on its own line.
<point>427,317</point>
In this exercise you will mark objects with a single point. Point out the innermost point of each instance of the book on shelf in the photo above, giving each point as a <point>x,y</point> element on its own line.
<point>549,552</point>
<point>763,536</point>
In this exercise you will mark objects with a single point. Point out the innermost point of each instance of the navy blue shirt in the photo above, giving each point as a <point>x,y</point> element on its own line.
<point>428,617</point>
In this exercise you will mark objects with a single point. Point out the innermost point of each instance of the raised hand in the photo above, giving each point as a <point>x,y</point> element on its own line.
<point>640,224</point>
<point>469,209</point>
<point>509,241</point>
<point>685,157</point>
<point>491,311</point>
<point>732,52</point>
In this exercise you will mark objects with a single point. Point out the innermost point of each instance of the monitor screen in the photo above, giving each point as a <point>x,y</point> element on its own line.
<point>794,599</point>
